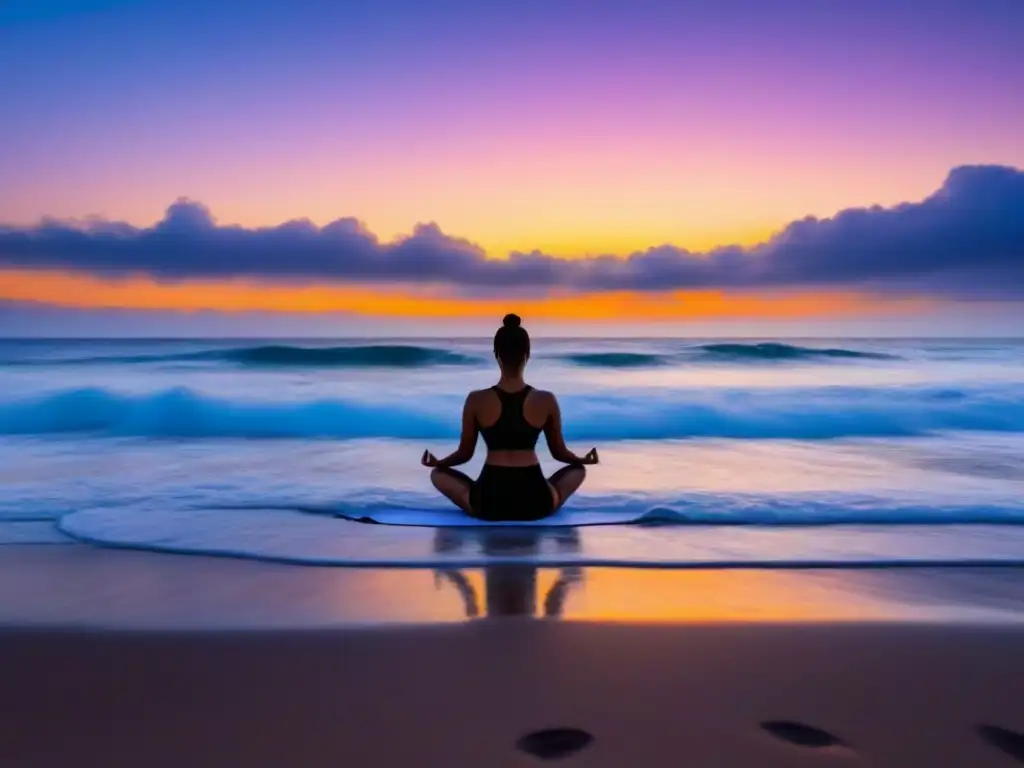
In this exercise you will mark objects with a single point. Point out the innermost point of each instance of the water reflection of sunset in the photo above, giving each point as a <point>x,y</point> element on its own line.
<point>667,595</point>
<point>640,595</point>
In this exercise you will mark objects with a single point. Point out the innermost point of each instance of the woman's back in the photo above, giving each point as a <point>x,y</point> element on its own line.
<point>510,421</point>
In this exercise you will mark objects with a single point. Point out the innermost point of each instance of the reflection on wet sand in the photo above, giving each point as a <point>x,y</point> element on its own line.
<point>510,589</point>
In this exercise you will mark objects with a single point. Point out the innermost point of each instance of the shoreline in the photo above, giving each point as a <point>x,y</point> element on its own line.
<point>81,585</point>
<point>293,537</point>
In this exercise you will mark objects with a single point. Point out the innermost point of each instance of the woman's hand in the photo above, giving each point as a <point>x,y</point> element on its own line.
<point>428,459</point>
<point>591,457</point>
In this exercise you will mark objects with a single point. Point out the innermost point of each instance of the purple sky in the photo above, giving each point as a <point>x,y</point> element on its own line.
<point>571,128</point>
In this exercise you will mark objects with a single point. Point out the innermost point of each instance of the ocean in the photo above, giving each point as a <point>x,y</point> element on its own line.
<point>823,442</point>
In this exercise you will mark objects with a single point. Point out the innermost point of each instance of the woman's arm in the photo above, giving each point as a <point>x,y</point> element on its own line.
<point>556,441</point>
<point>467,443</point>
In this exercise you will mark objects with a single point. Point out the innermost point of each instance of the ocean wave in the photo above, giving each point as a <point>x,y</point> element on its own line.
<point>409,356</point>
<point>762,352</point>
<point>364,356</point>
<point>807,414</point>
<point>769,351</point>
<point>616,359</point>
<point>284,355</point>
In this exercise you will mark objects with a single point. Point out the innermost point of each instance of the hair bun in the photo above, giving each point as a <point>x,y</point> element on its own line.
<point>511,321</point>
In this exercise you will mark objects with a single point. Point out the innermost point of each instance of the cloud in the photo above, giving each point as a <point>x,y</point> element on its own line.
<point>965,240</point>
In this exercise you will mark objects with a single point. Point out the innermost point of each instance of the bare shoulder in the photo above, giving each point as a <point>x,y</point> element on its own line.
<point>544,398</point>
<point>478,397</point>
<point>473,402</point>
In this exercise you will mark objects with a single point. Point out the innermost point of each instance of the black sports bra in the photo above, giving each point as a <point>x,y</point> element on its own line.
<point>511,432</point>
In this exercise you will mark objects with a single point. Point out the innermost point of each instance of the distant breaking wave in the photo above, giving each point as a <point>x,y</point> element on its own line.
<point>368,356</point>
<point>282,355</point>
<point>415,356</point>
<point>765,352</point>
<point>807,414</point>
<point>777,351</point>
<point>617,359</point>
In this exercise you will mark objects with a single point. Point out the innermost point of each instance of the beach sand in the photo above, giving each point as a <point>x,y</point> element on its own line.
<point>132,659</point>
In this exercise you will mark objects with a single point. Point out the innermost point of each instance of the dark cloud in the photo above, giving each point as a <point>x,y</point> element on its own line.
<point>967,239</point>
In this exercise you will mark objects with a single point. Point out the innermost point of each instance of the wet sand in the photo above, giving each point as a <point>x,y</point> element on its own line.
<point>132,659</point>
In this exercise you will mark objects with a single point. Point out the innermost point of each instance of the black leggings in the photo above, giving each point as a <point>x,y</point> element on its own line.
<point>510,493</point>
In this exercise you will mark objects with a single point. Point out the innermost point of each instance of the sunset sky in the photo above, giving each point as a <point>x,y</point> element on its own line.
<point>402,166</point>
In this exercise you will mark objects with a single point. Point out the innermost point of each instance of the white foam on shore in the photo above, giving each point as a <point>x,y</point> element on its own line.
<point>283,536</point>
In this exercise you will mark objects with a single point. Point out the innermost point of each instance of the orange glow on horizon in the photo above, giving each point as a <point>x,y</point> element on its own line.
<point>85,291</point>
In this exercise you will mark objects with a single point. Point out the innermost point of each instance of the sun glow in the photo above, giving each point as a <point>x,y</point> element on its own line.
<point>141,292</point>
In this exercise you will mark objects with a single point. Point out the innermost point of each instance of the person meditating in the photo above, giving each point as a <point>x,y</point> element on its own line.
<point>510,416</point>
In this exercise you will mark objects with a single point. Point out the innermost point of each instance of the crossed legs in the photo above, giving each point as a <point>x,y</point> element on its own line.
<point>455,485</point>
<point>565,482</point>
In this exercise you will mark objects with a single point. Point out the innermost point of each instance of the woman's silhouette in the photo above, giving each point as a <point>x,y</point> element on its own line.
<point>510,416</point>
